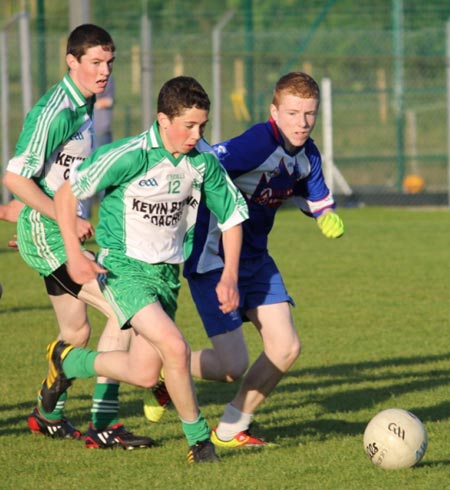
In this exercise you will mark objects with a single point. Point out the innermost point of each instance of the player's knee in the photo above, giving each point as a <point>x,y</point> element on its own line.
<point>292,353</point>
<point>235,370</point>
<point>78,337</point>
<point>283,356</point>
<point>178,349</point>
<point>146,380</point>
<point>296,349</point>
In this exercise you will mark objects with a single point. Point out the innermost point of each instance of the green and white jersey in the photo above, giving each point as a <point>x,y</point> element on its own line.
<point>57,134</point>
<point>152,198</point>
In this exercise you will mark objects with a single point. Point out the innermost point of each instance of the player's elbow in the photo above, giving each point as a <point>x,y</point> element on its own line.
<point>9,181</point>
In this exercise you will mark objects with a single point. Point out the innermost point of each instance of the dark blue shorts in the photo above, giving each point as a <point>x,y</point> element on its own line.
<point>260,283</point>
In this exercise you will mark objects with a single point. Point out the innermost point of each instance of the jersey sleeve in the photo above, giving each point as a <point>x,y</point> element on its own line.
<point>312,195</point>
<point>108,166</point>
<point>43,131</point>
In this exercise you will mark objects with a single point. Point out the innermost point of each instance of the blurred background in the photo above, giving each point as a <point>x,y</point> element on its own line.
<point>383,66</point>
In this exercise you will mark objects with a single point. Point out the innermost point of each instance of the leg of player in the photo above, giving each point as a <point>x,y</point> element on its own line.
<point>74,327</point>
<point>281,349</point>
<point>226,361</point>
<point>104,430</point>
<point>157,341</point>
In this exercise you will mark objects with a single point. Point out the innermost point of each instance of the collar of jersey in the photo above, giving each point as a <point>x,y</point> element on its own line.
<point>155,141</point>
<point>73,91</point>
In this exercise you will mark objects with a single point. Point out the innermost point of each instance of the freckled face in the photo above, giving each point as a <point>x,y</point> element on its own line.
<point>92,72</point>
<point>181,133</point>
<point>296,118</point>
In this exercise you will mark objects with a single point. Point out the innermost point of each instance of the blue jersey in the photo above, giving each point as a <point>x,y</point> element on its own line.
<point>267,175</point>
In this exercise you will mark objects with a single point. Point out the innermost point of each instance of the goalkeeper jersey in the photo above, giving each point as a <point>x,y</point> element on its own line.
<point>152,198</point>
<point>267,175</point>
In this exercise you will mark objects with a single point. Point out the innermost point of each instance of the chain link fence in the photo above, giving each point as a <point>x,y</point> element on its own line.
<point>389,113</point>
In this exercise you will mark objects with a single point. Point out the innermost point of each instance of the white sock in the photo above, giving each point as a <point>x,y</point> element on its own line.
<point>232,422</point>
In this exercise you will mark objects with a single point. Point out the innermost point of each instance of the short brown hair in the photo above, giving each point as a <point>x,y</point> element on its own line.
<point>181,93</point>
<point>87,36</point>
<point>296,83</point>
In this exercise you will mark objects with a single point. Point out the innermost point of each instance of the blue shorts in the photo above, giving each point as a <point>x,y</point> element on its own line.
<point>260,283</point>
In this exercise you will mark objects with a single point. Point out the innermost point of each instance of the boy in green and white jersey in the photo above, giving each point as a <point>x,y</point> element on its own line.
<point>153,185</point>
<point>58,134</point>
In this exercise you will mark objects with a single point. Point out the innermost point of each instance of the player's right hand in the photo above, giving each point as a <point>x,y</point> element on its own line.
<point>82,269</point>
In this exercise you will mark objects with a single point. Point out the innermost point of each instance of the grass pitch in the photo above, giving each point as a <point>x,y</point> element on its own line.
<point>373,314</point>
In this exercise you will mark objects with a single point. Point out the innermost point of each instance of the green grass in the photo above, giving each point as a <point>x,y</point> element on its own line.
<point>373,313</point>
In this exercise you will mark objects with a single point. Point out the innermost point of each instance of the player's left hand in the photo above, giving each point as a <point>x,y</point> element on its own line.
<point>331,225</point>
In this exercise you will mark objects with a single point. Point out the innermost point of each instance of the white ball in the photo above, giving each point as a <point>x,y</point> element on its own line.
<point>395,438</point>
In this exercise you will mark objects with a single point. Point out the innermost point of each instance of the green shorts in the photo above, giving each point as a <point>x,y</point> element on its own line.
<point>40,242</point>
<point>131,284</point>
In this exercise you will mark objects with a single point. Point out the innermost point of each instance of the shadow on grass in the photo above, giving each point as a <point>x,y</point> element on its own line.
<point>341,389</point>
<point>24,309</point>
<point>345,388</point>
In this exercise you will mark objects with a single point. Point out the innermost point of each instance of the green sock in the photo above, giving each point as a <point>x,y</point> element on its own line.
<point>105,405</point>
<point>195,431</point>
<point>79,363</point>
<point>58,412</point>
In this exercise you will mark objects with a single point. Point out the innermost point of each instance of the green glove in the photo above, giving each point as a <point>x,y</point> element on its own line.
<point>331,225</point>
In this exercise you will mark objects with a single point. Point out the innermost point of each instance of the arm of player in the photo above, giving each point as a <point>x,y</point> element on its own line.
<point>10,212</point>
<point>227,288</point>
<point>30,193</point>
<point>330,224</point>
<point>80,268</point>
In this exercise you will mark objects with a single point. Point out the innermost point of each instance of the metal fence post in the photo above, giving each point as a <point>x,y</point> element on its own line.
<point>26,83</point>
<point>25,62</point>
<point>217,86</point>
<point>4,101</point>
<point>398,88</point>
<point>448,106</point>
<point>146,71</point>
<point>327,128</point>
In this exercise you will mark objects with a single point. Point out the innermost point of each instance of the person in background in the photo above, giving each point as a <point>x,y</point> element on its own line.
<point>56,135</point>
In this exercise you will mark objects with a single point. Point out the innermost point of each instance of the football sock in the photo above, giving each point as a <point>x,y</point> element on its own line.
<point>232,422</point>
<point>195,431</point>
<point>105,405</point>
<point>58,412</point>
<point>79,363</point>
